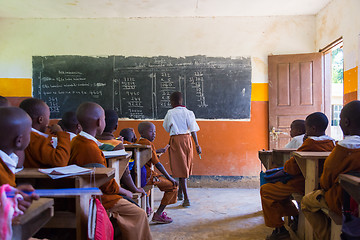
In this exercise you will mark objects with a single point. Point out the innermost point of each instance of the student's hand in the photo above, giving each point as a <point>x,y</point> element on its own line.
<point>163,150</point>
<point>54,129</point>
<point>198,149</point>
<point>142,191</point>
<point>173,181</point>
<point>125,192</point>
<point>119,147</point>
<point>120,138</point>
<point>26,202</point>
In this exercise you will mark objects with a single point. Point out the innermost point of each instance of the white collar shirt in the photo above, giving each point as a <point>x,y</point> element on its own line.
<point>10,160</point>
<point>180,120</point>
<point>88,136</point>
<point>351,142</point>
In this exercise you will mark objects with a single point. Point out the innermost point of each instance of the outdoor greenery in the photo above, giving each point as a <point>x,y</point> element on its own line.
<point>337,66</point>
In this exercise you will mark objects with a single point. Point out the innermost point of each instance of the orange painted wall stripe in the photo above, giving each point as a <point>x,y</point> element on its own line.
<point>351,80</point>
<point>259,92</point>
<point>15,87</point>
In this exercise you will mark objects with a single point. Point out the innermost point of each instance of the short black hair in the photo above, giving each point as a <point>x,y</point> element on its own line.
<point>111,120</point>
<point>318,120</point>
<point>127,134</point>
<point>352,112</point>
<point>4,102</point>
<point>69,121</point>
<point>33,106</point>
<point>176,97</point>
<point>299,125</point>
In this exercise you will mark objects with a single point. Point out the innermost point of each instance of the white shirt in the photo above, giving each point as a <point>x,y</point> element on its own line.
<point>351,142</point>
<point>322,138</point>
<point>72,135</point>
<point>180,120</point>
<point>38,132</point>
<point>88,136</point>
<point>296,142</point>
<point>11,161</point>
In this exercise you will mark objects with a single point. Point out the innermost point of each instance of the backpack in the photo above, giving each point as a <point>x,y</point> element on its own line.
<point>277,175</point>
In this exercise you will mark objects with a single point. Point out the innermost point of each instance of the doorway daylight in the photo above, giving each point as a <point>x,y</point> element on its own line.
<point>337,89</point>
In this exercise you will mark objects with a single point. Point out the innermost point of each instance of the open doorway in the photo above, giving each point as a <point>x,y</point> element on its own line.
<point>334,79</point>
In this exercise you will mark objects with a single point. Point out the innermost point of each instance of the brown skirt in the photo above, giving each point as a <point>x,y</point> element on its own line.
<point>181,155</point>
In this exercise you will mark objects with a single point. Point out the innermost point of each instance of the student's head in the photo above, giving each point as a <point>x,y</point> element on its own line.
<point>70,123</point>
<point>316,124</point>
<point>297,128</point>
<point>4,102</point>
<point>15,129</point>
<point>111,120</point>
<point>38,111</point>
<point>350,118</point>
<point>128,134</point>
<point>91,117</point>
<point>176,99</point>
<point>147,130</point>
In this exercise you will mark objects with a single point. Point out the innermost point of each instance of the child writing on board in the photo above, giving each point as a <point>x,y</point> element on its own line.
<point>180,123</point>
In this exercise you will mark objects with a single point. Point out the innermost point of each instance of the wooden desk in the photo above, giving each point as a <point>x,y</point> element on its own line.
<point>351,185</point>
<point>65,219</point>
<point>311,165</point>
<point>142,154</point>
<point>119,163</point>
<point>275,158</point>
<point>37,215</point>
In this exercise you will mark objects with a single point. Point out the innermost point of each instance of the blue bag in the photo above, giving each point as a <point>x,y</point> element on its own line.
<point>277,175</point>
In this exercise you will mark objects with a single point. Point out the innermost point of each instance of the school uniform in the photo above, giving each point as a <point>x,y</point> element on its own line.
<point>153,178</point>
<point>180,122</point>
<point>344,158</point>
<point>131,219</point>
<point>72,135</point>
<point>275,197</point>
<point>40,152</point>
<point>7,174</point>
<point>296,142</point>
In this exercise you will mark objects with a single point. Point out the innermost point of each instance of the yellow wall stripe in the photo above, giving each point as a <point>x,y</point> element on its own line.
<point>351,80</point>
<point>15,87</point>
<point>259,92</point>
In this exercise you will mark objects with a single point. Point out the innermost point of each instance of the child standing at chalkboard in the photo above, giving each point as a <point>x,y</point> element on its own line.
<point>180,123</point>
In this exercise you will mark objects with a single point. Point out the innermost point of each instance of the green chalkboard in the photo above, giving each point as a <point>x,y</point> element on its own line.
<point>139,87</point>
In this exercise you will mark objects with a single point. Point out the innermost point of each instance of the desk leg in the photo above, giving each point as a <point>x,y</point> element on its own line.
<point>138,176</point>
<point>82,211</point>
<point>311,183</point>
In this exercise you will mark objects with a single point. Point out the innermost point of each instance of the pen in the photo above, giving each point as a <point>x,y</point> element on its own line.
<point>200,156</point>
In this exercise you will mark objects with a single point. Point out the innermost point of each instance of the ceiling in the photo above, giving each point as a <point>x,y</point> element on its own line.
<point>156,8</point>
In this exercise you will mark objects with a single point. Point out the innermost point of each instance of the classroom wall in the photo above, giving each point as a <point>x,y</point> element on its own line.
<point>229,147</point>
<point>341,18</point>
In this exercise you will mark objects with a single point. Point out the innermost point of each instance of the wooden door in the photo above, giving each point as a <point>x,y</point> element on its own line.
<point>295,90</point>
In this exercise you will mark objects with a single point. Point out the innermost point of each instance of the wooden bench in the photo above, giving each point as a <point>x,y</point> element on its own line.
<point>37,215</point>
<point>311,166</point>
<point>66,219</point>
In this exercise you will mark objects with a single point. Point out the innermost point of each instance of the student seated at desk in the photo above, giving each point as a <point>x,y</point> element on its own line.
<point>70,124</point>
<point>128,135</point>
<point>297,133</point>
<point>344,158</point>
<point>131,219</point>
<point>107,137</point>
<point>275,197</point>
<point>40,153</point>
<point>15,128</point>
<point>168,184</point>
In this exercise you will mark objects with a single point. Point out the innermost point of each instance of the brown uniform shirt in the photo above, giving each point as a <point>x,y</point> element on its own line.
<point>41,154</point>
<point>341,160</point>
<point>154,158</point>
<point>309,145</point>
<point>6,175</point>
<point>85,151</point>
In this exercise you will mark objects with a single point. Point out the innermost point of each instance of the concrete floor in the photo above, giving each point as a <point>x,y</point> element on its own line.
<point>215,213</point>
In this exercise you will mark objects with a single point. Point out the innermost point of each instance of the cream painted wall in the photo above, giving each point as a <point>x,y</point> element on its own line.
<point>257,37</point>
<point>340,18</point>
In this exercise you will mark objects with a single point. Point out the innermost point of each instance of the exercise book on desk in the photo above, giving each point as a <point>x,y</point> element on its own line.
<point>115,153</point>
<point>61,172</point>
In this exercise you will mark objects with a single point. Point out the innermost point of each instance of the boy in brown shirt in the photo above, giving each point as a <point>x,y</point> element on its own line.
<point>41,153</point>
<point>131,219</point>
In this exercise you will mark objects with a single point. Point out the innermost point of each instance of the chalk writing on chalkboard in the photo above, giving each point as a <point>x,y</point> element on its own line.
<point>140,87</point>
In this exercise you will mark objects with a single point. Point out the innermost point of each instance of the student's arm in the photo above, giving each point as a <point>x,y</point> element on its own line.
<point>194,136</point>
<point>25,203</point>
<point>161,168</point>
<point>123,191</point>
<point>59,156</point>
<point>129,183</point>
